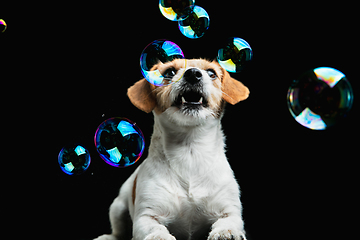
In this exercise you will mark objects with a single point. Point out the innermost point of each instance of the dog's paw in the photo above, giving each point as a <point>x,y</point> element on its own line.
<point>226,234</point>
<point>160,235</point>
<point>106,237</point>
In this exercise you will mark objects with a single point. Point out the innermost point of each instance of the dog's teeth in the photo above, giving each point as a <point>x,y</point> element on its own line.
<point>183,99</point>
<point>201,99</point>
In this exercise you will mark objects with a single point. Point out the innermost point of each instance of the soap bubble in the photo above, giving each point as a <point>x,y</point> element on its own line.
<point>160,51</point>
<point>320,98</point>
<point>119,142</point>
<point>74,159</point>
<point>176,10</point>
<point>195,25</point>
<point>234,54</point>
<point>3,25</point>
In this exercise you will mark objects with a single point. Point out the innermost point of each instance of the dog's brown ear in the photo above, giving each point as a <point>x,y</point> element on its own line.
<point>233,90</point>
<point>141,96</point>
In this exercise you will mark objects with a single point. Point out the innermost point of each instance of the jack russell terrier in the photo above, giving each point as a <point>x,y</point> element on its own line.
<point>185,189</point>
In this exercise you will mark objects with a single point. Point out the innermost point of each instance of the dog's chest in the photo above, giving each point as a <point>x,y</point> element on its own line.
<point>193,195</point>
<point>193,218</point>
<point>195,198</point>
<point>194,169</point>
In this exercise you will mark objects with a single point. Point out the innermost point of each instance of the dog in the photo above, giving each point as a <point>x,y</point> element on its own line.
<point>185,189</point>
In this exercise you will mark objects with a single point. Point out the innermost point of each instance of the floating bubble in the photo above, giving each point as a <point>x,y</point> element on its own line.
<point>195,25</point>
<point>176,10</point>
<point>320,98</point>
<point>235,54</point>
<point>3,25</point>
<point>160,52</point>
<point>119,142</point>
<point>74,159</point>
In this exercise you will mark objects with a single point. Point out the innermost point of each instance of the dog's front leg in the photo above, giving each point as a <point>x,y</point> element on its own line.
<point>230,225</point>
<point>147,227</point>
<point>228,228</point>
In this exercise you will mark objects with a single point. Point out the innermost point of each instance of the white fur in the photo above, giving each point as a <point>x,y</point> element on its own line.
<point>185,187</point>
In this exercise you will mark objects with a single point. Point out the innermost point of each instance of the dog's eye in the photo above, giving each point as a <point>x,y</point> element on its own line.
<point>169,73</point>
<point>211,73</point>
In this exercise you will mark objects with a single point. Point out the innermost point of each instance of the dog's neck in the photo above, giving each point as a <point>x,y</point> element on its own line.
<point>188,148</point>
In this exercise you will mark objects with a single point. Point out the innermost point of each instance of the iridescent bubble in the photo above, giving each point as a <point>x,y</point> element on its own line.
<point>176,10</point>
<point>119,142</point>
<point>158,53</point>
<point>234,54</point>
<point>320,98</point>
<point>3,25</point>
<point>74,159</point>
<point>195,25</point>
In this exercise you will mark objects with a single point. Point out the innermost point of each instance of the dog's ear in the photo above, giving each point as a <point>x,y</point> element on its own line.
<point>140,94</point>
<point>233,90</point>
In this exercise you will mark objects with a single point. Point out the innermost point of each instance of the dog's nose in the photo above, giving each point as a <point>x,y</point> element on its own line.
<point>193,75</point>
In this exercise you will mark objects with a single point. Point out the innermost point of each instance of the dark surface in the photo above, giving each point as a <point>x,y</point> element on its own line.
<point>70,65</point>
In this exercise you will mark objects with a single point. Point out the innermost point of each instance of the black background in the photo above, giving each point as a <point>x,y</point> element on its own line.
<point>68,66</point>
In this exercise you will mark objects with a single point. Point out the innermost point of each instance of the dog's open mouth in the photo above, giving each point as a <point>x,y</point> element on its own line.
<point>191,99</point>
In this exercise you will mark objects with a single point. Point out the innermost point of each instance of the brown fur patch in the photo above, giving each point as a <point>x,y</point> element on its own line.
<point>233,90</point>
<point>162,96</point>
<point>140,94</point>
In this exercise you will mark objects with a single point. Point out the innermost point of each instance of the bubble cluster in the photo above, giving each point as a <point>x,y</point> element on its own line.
<point>176,10</point>
<point>74,159</point>
<point>320,98</point>
<point>157,53</point>
<point>195,25</point>
<point>3,25</point>
<point>119,142</point>
<point>193,21</point>
<point>235,53</point>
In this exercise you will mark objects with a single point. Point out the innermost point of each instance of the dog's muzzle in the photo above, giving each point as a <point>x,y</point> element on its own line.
<point>192,96</point>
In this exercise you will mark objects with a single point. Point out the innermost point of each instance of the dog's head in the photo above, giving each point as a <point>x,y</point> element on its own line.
<point>200,93</point>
